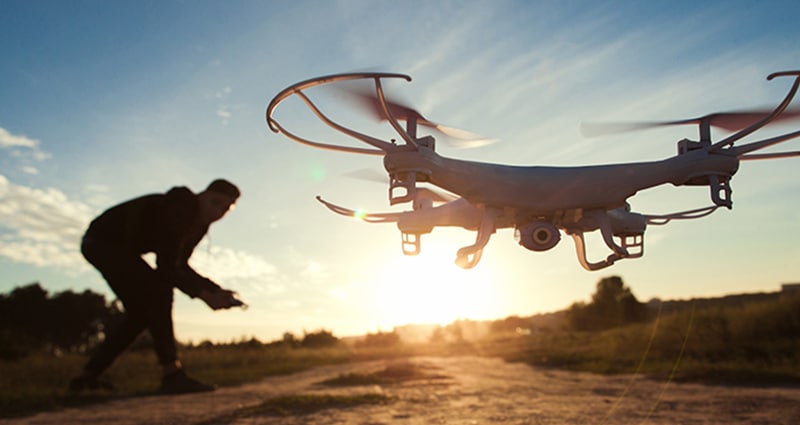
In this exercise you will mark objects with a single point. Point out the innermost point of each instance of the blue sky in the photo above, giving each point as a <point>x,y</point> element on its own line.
<point>104,101</point>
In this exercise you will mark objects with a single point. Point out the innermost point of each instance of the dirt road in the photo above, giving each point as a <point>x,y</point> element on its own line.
<point>457,390</point>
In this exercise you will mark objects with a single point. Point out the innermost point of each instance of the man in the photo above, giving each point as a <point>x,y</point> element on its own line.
<point>169,225</point>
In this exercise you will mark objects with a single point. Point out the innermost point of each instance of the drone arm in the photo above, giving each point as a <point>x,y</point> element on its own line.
<point>770,155</point>
<point>740,151</point>
<point>778,110</point>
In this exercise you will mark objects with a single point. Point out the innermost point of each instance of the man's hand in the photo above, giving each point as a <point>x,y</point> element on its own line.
<point>220,299</point>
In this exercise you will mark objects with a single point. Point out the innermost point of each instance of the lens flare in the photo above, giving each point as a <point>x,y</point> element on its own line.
<point>317,173</point>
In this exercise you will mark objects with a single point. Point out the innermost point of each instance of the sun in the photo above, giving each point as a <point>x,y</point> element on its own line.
<point>430,289</point>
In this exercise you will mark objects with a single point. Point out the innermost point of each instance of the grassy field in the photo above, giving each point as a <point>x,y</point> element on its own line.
<point>40,381</point>
<point>746,344</point>
<point>755,343</point>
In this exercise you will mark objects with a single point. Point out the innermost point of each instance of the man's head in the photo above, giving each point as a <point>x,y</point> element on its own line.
<point>218,198</point>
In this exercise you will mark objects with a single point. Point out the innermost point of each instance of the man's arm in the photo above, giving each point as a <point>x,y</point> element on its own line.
<point>178,242</point>
<point>220,299</point>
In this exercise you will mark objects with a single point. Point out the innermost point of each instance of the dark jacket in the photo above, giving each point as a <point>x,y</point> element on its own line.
<point>164,224</point>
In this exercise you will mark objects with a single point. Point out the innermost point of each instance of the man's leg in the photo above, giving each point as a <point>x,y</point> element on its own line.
<point>125,272</point>
<point>116,341</point>
<point>148,305</point>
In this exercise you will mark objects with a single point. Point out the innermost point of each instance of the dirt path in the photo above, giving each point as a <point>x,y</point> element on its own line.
<point>460,390</point>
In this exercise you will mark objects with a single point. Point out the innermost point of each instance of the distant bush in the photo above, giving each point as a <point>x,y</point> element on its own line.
<point>379,340</point>
<point>319,339</point>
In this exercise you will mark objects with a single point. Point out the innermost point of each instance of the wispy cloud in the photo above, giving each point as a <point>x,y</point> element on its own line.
<point>10,140</point>
<point>22,145</point>
<point>223,111</point>
<point>225,114</point>
<point>225,263</point>
<point>41,227</point>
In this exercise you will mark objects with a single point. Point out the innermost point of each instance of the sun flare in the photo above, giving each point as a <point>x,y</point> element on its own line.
<point>430,289</point>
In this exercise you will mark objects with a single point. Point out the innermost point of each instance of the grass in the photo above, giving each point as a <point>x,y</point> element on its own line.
<point>752,345</point>
<point>39,382</point>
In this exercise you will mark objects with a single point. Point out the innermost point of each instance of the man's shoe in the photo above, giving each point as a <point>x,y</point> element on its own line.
<point>88,383</point>
<point>180,383</point>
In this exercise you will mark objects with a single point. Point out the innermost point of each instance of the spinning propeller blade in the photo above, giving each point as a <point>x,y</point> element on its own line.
<point>435,195</point>
<point>368,174</point>
<point>730,121</point>
<point>368,100</point>
<point>372,175</point>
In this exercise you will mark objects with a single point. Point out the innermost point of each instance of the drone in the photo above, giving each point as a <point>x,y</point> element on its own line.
<point>538,202</point>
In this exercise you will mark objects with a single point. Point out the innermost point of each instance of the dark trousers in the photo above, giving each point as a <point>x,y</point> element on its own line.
<point>147,301</point>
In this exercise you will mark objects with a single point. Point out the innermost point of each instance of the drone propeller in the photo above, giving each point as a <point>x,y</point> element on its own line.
<point>371,175</point>
<point>730,121</point>
<point>435,195</point>
<point>368,101</point>
<point>368,174</point>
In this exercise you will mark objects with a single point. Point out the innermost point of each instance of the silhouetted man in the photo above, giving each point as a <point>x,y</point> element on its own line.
<point>170,225</point>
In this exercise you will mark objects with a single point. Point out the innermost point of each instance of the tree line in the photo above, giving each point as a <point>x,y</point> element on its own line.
<point>33,319</point>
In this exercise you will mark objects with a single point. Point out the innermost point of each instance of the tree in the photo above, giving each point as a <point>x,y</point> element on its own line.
<point>30,320</point>
<point>319,339</point>
<point>77,320</point>
<point>613,304</point>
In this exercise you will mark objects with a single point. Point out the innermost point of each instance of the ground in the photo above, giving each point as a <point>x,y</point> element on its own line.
<point>449,390</point>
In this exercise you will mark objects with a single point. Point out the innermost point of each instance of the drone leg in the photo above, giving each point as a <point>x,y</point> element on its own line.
<point>608,237</point>
<point>721,192</point>
<point>468,260</point>
<point>411,243</point>
<point>580,248</point>
<point>469,256</point>
<point>408,184</point>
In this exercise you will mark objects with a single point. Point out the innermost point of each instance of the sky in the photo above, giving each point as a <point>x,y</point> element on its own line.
<point>104,101</point>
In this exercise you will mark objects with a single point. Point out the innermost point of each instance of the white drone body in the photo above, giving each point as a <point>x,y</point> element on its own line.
<point>538,202</point>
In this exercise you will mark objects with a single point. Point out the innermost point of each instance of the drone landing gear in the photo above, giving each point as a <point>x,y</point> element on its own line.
<point>411,243</point>
<point>721,191</point>
<point>402,187</point>
<point>580,248</point>
<point>632,246</point>
<point>469,256</point>
<point>627,243</point>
